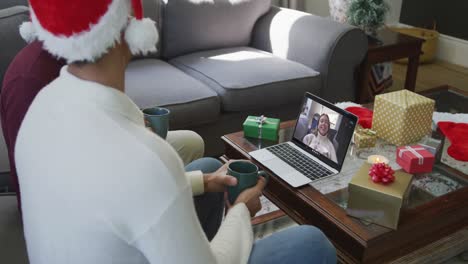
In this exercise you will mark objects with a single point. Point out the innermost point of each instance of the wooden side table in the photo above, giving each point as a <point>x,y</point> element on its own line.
<point>393,46</point>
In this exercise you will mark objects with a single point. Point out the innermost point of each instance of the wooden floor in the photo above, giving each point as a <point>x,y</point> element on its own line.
<point>432,75</point>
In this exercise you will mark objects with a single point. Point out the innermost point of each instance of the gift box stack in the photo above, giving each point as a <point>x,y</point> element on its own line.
<point>261,127</point>
<point>402,117</point>
<point>377,202</point>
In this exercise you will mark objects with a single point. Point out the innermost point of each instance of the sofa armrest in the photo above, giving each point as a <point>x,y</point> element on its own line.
<point>11,42</point>
<point>331,48</point>
<point>11,3</point>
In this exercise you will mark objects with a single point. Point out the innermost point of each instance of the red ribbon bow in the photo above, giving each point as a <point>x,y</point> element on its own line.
<point>382,173</point>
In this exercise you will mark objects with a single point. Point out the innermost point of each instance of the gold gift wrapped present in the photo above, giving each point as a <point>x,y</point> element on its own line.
<point>402,117</point>
<point>364,138</point>
<point>377,203</point>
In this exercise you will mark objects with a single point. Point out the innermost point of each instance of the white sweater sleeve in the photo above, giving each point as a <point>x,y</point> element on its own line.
<point>308,139</point>
<point>237,224</point>
<point>177,237</point>
<point>195,178</point>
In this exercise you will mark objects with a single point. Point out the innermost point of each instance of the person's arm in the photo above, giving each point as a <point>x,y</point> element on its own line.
<point>308,139</point>
<point>248,202</point>
<point>163,224</point>
<point>236,225</point>
<point>332,152</point>
<point>177,237</point>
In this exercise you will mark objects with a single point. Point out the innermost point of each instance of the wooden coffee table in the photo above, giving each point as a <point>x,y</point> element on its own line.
<point>428,224</point>
<point>448,99</point>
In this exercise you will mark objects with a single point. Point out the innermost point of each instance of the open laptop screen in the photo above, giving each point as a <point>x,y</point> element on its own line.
<point>324,130</point>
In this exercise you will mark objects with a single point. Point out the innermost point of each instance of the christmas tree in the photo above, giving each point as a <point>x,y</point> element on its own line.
<point>368,15</point>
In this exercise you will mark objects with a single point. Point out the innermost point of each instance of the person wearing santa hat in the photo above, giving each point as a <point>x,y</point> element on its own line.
<point>111,191</point>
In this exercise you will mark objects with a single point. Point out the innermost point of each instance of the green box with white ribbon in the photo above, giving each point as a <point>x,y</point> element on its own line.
<point>261,127</point>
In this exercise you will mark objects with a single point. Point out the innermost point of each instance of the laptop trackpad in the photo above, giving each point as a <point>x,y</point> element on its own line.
<point>286,172</point>
<point>262,155</point>
<point>278,166</point>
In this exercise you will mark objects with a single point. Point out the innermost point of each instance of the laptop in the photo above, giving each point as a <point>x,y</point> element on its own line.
<point>318,147</point>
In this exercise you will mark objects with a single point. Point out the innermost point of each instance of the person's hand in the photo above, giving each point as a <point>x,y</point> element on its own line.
<point>148,126</point>
<point>218,180</point>
<point>251,197</point>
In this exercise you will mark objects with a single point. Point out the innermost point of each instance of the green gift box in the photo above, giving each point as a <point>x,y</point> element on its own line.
<point>364,138</point>
<point>261,127</point>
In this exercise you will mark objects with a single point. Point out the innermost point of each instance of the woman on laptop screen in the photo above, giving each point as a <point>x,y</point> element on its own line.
<point>319,140</point>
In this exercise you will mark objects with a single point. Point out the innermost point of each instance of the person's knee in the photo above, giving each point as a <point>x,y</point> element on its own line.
<point>211,164</point>
<point>309,231</point>
<point>315,241</point>
<point>195,144</point>
<point>188,144</point>
<point>299,244</point>
<point>206,165</point>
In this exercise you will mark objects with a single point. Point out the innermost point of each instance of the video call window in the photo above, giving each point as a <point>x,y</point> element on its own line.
<point>319,128</point>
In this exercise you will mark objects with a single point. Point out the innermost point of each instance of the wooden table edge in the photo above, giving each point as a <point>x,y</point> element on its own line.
<point>304,193</point>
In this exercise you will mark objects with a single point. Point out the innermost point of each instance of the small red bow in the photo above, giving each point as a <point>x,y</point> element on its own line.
<point>382,173</point>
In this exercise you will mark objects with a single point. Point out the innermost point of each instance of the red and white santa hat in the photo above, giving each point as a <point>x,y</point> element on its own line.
<point>84,30</point>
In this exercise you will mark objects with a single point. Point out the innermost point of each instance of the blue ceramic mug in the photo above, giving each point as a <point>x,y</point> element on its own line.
<point>246,174</point>
<point>158,120</point>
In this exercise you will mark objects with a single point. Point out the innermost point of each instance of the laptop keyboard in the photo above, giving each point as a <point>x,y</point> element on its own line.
<point>298,160</point>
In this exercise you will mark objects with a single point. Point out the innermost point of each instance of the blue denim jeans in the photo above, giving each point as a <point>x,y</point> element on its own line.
<point>300,244</point>
<point>209,206</point>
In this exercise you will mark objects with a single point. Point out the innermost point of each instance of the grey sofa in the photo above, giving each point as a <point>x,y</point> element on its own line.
<point>216,64</point>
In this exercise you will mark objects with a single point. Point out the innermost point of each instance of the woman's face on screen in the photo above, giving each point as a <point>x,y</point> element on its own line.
<point>324,125</point>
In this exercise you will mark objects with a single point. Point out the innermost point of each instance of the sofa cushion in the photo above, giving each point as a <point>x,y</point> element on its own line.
<point>152,9</point>
<point>11,3</point>
<point>153,82</point>
<point>190,25</point>
<point>11,42</point>
<point>250,79</point>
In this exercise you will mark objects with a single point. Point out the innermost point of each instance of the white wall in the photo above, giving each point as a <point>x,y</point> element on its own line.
<point>276,2</point>
<point>321,8</point>
<point>317,7</point>
<point>393,16</point>
<point>453,50</point>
